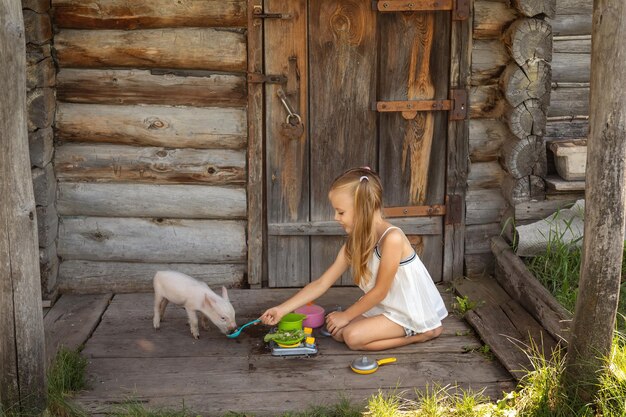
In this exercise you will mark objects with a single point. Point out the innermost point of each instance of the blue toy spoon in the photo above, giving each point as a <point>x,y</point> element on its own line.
<point>238,331</point>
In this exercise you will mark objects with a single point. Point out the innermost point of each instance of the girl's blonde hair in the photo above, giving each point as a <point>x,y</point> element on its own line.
<point>364,185</point>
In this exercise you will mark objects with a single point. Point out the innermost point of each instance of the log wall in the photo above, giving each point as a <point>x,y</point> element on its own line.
<point>530,85</point>
<point>151,137</point>
<point>40,84</point>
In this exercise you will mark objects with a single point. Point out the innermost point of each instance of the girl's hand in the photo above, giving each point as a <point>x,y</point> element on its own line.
<point>336,321</point>
<point>272,316</point>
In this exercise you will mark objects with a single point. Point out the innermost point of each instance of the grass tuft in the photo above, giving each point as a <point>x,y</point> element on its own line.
<point>66,376</point>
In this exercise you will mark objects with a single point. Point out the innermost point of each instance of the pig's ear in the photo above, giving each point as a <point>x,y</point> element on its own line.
<point>207,300</point>
<point>224,293</point>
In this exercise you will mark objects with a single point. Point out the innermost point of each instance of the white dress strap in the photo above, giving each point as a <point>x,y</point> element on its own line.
<point>385,232</point>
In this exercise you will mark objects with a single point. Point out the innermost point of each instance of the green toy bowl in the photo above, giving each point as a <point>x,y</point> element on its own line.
<point>291,321</point>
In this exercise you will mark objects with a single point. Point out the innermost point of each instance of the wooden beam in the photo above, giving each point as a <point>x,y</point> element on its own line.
<point>603,244</point>
<point>189,48</point>
<point>22,380</point>
<point>122,14</point>
<point>256,218</point>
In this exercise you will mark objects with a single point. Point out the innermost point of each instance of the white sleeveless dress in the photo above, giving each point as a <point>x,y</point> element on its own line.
<point>413,300</point>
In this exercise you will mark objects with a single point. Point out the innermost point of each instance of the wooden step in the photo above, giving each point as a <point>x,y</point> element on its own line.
<point>511,333</point>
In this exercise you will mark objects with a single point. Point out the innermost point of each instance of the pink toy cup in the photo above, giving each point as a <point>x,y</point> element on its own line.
<point>314,315</point>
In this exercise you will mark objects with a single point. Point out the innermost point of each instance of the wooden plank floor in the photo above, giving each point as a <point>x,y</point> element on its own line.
<point>128,359</point>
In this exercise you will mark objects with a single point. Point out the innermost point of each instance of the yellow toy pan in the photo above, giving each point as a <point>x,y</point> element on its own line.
<point>365,365</point>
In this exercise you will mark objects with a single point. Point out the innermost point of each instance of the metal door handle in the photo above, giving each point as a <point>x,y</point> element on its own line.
<point>291,115</point>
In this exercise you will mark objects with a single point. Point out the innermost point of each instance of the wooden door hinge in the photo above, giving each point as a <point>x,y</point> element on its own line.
<point>454,209</point>
<point>257,13</point>
<point>256,78</point>
<point>460,8</point>
<point>416,211</point>
<point>456,105</point>
<point>459,104</point>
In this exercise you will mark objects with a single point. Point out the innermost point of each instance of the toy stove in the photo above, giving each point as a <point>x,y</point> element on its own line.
<point>306,347</point>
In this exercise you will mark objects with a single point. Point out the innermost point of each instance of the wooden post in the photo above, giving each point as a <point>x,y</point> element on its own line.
<point>22,381</point>
<point>603,244</point>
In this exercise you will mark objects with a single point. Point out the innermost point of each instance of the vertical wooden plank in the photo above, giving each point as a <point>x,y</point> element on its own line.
<point>255,149</point>
<point>22,380</point>
<point>458,150</point>
<point>343,127</point>
<point>287,158</point>
<point>412,152</point>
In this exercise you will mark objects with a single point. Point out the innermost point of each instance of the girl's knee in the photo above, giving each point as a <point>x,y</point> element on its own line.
<point>352,338</point>
<point>431,334</point>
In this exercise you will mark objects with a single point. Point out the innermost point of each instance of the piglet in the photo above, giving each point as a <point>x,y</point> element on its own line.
<point>195,296</point>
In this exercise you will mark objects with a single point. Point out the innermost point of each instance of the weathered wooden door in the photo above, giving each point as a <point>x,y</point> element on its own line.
<point>341,65</point>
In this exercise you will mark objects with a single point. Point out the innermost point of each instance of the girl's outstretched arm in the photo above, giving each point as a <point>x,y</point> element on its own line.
<point>391,247</point>
<point>310,292</point>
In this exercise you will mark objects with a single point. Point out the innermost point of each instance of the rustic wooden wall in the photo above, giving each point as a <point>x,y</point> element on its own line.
<point>569,103</point>
<point>40,83</point>
<point>151,137</point>
<point>533,55</point>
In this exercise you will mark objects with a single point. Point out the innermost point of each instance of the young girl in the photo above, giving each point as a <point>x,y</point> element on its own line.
<point>401,304</point>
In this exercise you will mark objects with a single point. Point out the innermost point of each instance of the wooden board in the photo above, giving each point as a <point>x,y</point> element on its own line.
<point>190,48</point>
<point>120,14</point>
<point>151,200</point>
<point>92,277</point>
<point>162,368</point>
<point>72,319</point>
<point>342,125</point>
<point>412,153</point>
<point>512,334</point>
<point>172,127</point>
<point>154,165</point>
<point>152,240</point>
<point>118,86</point>
<point>287,161</point>
<point>556,183</point>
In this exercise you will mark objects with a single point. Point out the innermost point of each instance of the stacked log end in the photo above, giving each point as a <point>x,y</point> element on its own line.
<point>526,86</point>
<point>40,83</point>
<point>509,100</point>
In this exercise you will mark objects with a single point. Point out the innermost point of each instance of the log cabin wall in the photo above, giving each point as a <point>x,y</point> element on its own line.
<point>530,86</point>
<point>40,83</point>
<point>151,137</point>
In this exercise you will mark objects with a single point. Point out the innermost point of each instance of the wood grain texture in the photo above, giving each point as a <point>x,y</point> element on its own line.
<point>572,24</point>
<point>255,186</point>
<point>458,151</point>
<point>489,57</point>
<point>109,86</point>
<point>71,320</point>
<point>22,346</point>
<point>522,286</point>
<point>287,166</point>
<point>523,157</point>
<point>491,18</point>
<point>485,139</point>
<point>529,81</point>
<point>205,371</point>
<point>151,240</point>
<point>569,101</point>
<point>568,67</point>
<point>605,195</point>
<point>151,200</point>
<point>527,119</point>
<point>412,152</point>
<point>344,44</point>
<point>532,8</point>
<point>119,163</point>
<point>529,39</point>
<point>484,206</point>
<point>485,175</point>
<point>171,127</point>
<point>120,14</point>
<point>190,48</point>
<point>91,277</point>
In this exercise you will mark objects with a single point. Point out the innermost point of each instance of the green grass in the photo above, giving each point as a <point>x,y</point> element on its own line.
<point>465,304</point>
<point>65,376</point>
<point>558,269</point>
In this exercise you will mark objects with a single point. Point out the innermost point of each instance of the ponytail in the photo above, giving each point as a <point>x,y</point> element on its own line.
<point>367,191</point>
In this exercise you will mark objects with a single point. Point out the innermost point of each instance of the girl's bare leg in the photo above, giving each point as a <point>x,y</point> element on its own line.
<point>380,333</point>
